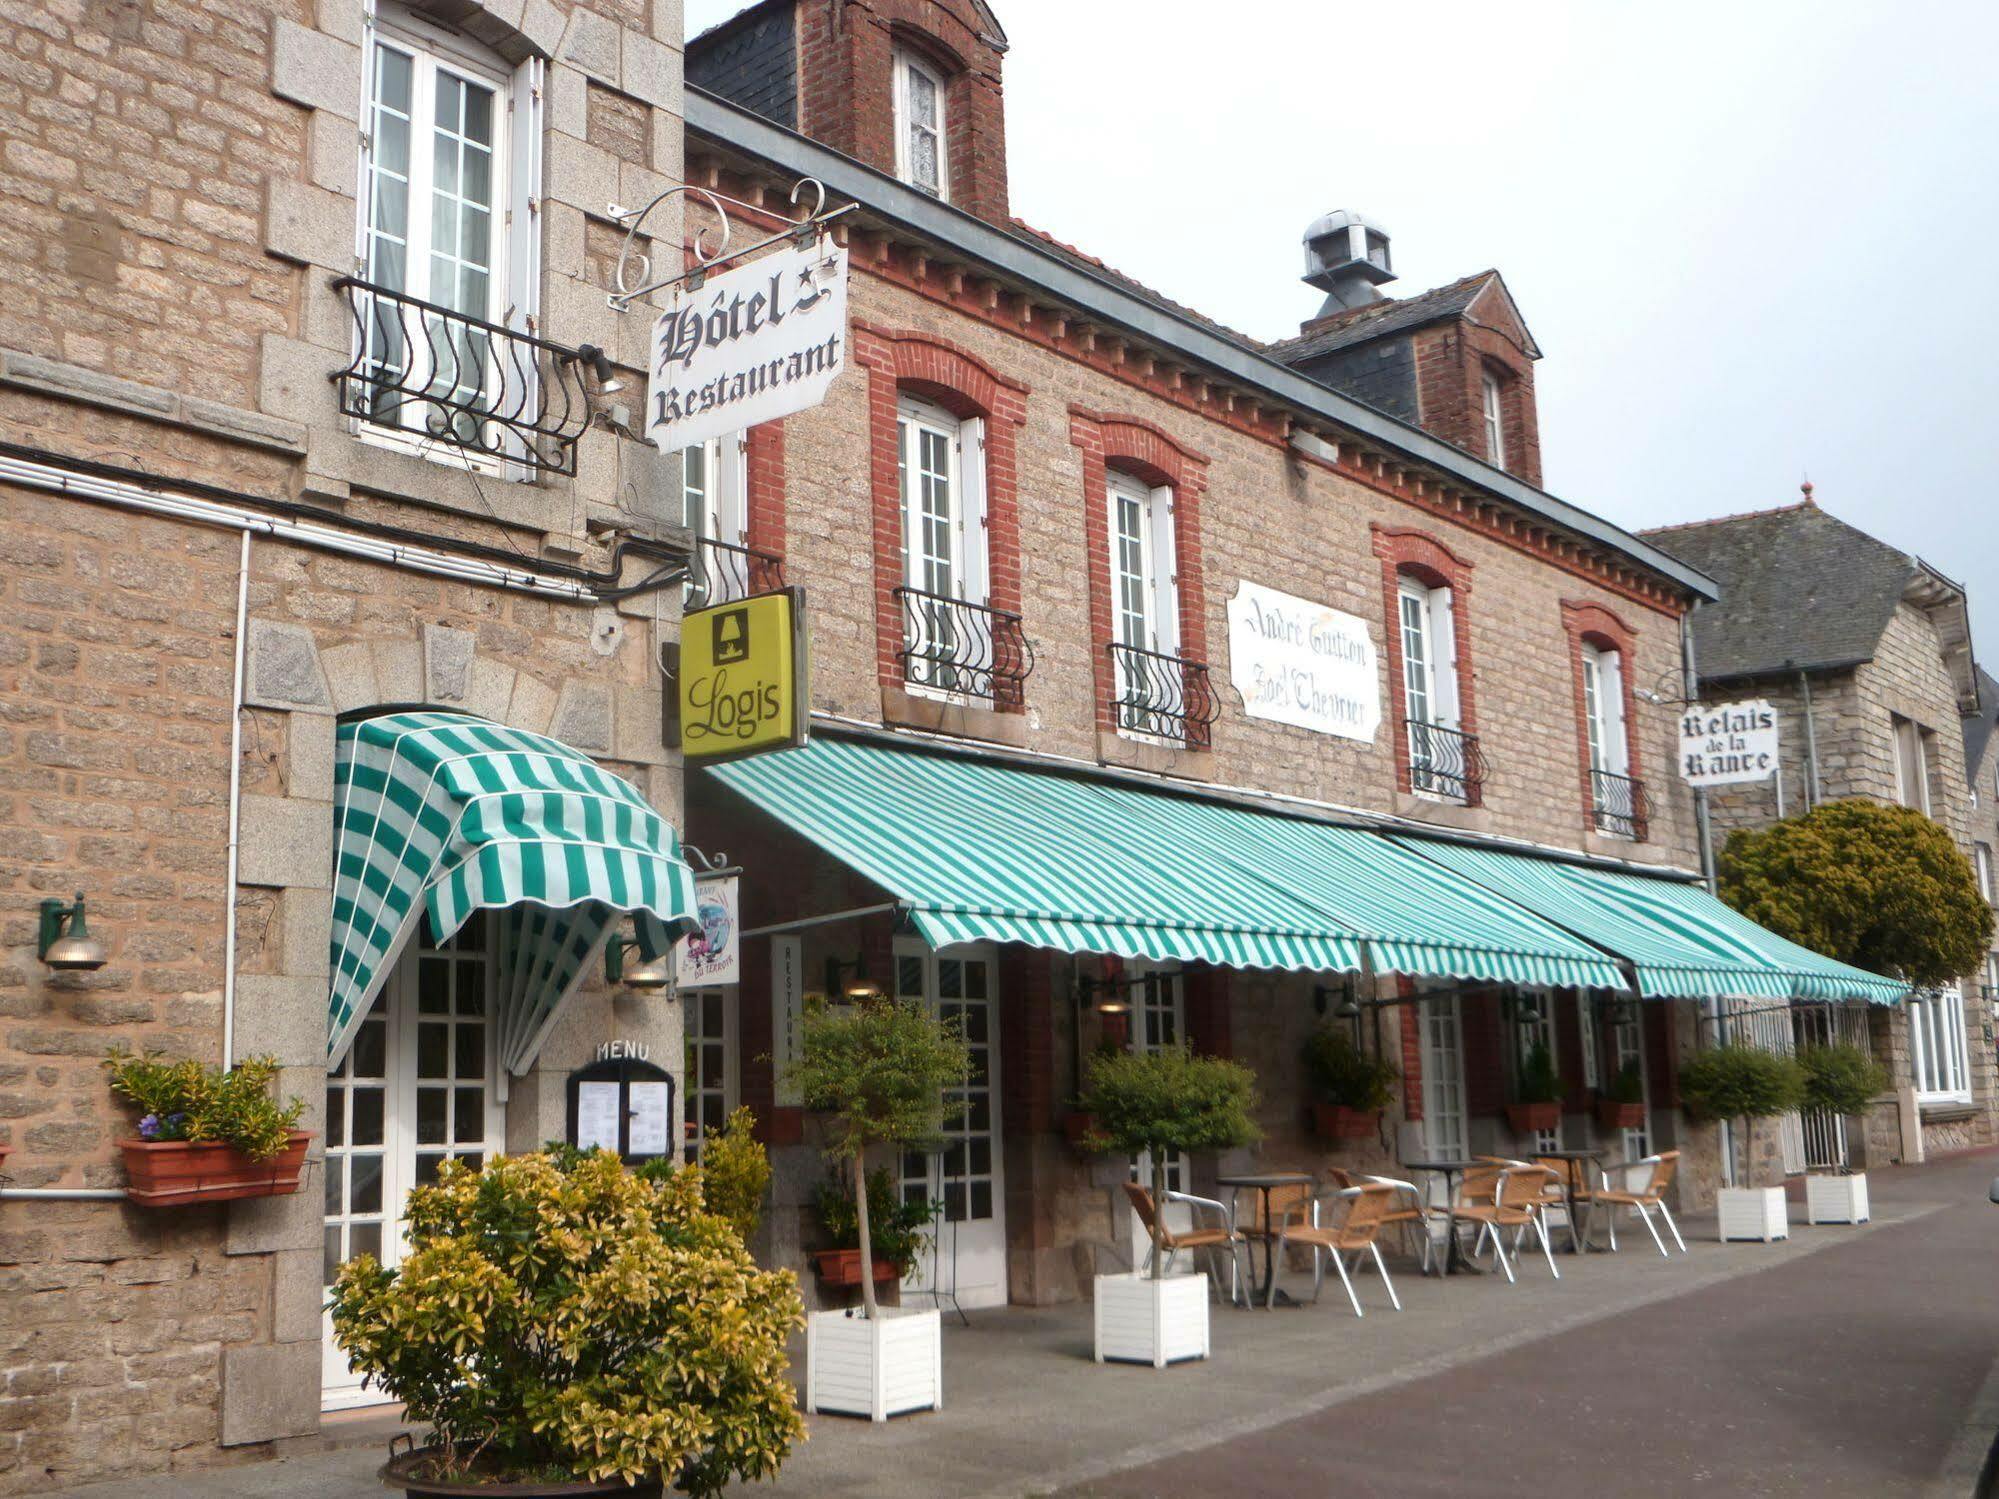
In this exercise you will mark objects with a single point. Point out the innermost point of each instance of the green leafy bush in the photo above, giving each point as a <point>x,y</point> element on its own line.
<point>562,1316</point>
<point>1741,1082</point>
<point>1538,1081</point>
<point>1841,1079</point>
<point>1340,1073</point>
<point>735,1173</point>
<point>183,1100</point>
<point>898,1231</point>
<point>1628,1086</point>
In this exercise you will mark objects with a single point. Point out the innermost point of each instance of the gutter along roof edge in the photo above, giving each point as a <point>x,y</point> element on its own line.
<point>739,129</point>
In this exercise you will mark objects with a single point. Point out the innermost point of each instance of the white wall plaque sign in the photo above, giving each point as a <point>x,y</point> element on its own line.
<point>1727,744</point>
<point>1302,663</point>
<point>787,1014</point>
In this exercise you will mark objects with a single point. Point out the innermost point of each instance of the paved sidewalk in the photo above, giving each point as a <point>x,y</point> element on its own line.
<point>1842,1362</point>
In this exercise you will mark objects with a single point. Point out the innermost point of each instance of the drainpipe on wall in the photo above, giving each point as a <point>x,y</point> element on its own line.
<point>235,808</point>
<point>1813,792</point>
<point>1692,692</point>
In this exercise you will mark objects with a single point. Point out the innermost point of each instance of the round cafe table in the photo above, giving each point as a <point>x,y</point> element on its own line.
<point>1456,1262</point>
<point>1267,1182</point>
<point>1573,1163</point>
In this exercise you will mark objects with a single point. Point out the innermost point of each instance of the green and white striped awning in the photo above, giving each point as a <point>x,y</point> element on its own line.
<point>444,814</point>
<point>1682,943</point>
<point>983,852</point>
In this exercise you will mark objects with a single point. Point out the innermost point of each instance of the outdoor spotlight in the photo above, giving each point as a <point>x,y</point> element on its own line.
<point>656,974</point>
<point>608,382</point>
<point>855,989</point>
<point>66,944</point>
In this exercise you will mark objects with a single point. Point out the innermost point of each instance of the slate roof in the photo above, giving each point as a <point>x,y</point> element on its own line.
<point>1979,726</point>
<point>1084,261</point>
<point>1799,588</point>
<point>1377,319</point>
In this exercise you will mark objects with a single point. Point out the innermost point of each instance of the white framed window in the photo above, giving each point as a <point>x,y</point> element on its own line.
<point>1611,789</point>
<point>941,468</point>
<point>449,168</point>
<point>1981,862</point>
<point>1145,606</point>
<point>714,489</point>
<point>1992,977</point>
<point>1937,1047</point>
<point>709,1021</point>
<point>1534,1026</point>
<point>1437,765</point>
<point>1912,774</point>
<point>921,151</point>
<point>1492,404</point>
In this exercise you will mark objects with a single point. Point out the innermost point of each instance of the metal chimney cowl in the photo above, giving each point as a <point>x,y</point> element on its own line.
<point>1346,257</point>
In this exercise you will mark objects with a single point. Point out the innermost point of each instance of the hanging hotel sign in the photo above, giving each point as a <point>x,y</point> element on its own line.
<point>1727,744</point>
<point>748,345</point>
<point>712,955</point>
<point>1301,663</point>
<point>743,678</point>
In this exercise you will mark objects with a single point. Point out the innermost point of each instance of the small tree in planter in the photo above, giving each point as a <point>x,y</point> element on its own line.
<point>1539,1091</point>
<point>1158,1104</point>
<point>207,1135</point>
<point>1839,1080</point>
<point>560,1319</point>
<point>878,1070</point>
<point>1352,1087</point>
<point>1746,1083</point>
<point>1622,1104</point>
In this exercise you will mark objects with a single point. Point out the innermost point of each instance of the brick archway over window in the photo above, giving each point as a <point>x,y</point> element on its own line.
<point>1424,557</point>
<point>940,371</point>
<point>1137,447</point>
<point>1589,623</point>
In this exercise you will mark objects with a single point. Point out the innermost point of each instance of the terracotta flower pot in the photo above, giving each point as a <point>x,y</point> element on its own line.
<point>842,1267</point>
<point>1078,1126</point>
<point>1336,1121</point>
<point>1612,1114</point>
<point>398,1473</point>
<point>1526,1118</point>
<point>170,1173</point>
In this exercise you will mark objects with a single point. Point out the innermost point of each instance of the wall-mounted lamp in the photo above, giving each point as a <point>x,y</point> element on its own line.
<point>656,974</point>
<point>1105,996</point>
<point>66,944</point>
<point>600,364</point>
<point>855,989</point>
<point>1342,1001</point>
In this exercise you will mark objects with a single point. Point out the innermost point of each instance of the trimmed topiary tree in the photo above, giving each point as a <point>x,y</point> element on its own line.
<point>1883,888</point>
<point>1741,1082</point>
<point>1841,1079</point>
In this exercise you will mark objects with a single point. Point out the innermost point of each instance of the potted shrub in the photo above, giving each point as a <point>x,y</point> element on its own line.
<point>1160,1103</point>
<point>1840,1080</point>
<point>1746,1083</point>
<point>878,1071</point>
<point>206,1135</point>
<point>1622,1104</point>
<point>564,1325</point>
<point>1352,1088</point>
<point>1539,1093</point>
<point>897,1230</point>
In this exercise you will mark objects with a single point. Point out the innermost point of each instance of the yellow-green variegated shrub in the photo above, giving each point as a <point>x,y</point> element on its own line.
<point>560,1316</point>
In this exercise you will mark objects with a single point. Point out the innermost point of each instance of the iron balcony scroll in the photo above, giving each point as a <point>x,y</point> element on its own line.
<point>1162,696</point>
<point>956,646</point>
<point>1445,762</point>
<point>1622,807</point>
<point>447,377</point>
<point>633,282</point>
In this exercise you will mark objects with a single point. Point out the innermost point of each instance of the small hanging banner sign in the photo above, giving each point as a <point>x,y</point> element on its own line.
<point>1727,744</point>
<point>750,345</point>
<point>712,955</point>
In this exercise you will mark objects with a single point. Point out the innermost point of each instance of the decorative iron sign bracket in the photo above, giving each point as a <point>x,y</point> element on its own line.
<point>800,232</point>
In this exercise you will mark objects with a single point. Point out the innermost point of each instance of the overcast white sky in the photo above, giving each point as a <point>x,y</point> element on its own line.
<point>1755,242</point>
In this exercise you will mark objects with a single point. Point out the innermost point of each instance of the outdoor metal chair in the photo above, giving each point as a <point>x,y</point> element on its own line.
<point>1410,1214</point>
<point>1221,1235</point>
<point>1510,1198</point>
<point>1356,1231</point>
<point>1650,1194</point>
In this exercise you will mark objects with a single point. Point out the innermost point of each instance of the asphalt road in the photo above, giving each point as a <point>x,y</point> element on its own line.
<point>1854,1372</point>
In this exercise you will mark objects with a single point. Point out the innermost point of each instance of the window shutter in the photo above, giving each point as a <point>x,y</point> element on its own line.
<point>1165,572</point>
<point>972,513</point>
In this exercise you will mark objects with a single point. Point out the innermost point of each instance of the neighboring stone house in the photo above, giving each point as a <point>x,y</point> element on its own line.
<point>1865,652</point>
<point>204,424</point>
<point>1981,766</point>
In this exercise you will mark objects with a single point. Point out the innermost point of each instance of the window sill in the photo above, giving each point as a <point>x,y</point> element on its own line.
<point>1417,806</point>
<point>1945,1109</point>
<point>1156,756</point>
<point>910,710</point>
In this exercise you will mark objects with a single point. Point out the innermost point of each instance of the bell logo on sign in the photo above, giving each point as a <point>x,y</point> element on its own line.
<point>742,676</point>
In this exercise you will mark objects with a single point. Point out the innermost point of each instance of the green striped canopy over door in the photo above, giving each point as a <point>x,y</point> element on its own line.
<point>1680,940</point>
<point>442,814</point>
<point>986,852</point>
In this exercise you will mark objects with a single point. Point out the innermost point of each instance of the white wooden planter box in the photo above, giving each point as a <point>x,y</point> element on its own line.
<point>1158,1322</point>
<point>1836,1199</point>
<point>879,1367</point>
<point>1753,1213</point>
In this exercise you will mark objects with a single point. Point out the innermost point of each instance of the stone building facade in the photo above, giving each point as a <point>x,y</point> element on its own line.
<point>211,543</point>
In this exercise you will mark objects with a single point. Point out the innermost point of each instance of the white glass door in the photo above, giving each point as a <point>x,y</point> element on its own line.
<point>1158,1021</point>
<point>1444,1136</point>
<point>968,1253</point>
<point>710,1021</point>
<point>416,1087</point>
<point>1627,1037</point>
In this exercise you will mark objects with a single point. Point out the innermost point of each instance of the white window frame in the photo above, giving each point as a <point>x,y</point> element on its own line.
<point>694,1037</point>
<point>1492,406</point>
<point>1912,772</point>
<point>1939,1058</point>
<point>964,553</point>
<point>1981,860</point>
<point>1136,512</point>
<point>723,513</point>
<point>514,243</point>
<point>1429,636</point>
<point>906,64</point>
<point>1534,1024</point>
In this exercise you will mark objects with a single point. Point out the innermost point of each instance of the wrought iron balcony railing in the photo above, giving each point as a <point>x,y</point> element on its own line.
<point>966,649</point>
<point>1445,762</point>
<point>1622,807</point>
<point>721,572</point>
<point>1164,697</point>
<point>449,378</point>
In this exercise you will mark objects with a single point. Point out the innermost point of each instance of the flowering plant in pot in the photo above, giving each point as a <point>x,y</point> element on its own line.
<point>1842,1081</point>
<point>1746,1083</point>
<point>562,1324</point>
<point>897,1230</point>
<point>1352,1088</point>
<point>206,1134</point>
<point>1622,1104</point>
<point>1538,1091</point>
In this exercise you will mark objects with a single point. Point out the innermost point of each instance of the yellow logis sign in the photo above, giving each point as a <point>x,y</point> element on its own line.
<point>742,677</point>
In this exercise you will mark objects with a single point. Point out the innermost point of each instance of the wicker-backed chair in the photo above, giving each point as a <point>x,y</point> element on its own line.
<point>1499,1198</point>
<point>1410,1213</point>
<point>1352,1232</point>
<point>1218,1235</point>
<point>1647,1195</point>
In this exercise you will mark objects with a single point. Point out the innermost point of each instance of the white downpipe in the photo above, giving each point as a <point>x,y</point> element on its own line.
<point>62,1194</point>
<point>235,807</point>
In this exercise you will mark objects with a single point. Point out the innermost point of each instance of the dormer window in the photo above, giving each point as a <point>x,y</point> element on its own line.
<point>919,126</point>
<point>1493,396</point>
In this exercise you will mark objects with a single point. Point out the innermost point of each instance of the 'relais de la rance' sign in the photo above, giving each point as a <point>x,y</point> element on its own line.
<point>1728,744</point>
<point>1304,664</point>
